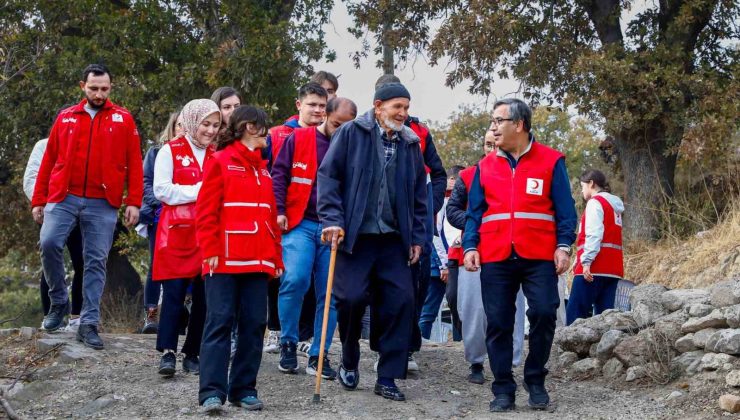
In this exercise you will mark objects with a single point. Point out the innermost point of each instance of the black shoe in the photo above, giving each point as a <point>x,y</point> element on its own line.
<point>476,374</point>
<point>150,322</point>
<point>538,397</point>
<point>288,358</point>
<point>389,392</point>
<point>54,320</point>
<point>348,378</point>
<point>88,335</point>
<point>502,402</point>
<point>167,364</point>
<point>191,364</point>
<point>326,371</point>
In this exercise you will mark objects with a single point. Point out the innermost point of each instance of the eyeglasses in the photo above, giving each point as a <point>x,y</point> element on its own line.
<point>497,121</point>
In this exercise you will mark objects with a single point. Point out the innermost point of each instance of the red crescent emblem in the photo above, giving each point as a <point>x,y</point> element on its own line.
<point>535,184</point>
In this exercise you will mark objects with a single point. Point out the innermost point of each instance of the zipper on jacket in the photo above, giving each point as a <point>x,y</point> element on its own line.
<point>87,161</point>
<point>513,220</point>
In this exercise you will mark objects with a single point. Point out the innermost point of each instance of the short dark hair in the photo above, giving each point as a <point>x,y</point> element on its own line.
<point>96,70</point>
<point>518,111</point>
<point>455,170</point>
<point>385,79</point>
<point>225,92</point>
<point>238,121</point>
<point>597,177</point>
<point>324,76</point>
<point>337,102</point>
<point>312,88</point>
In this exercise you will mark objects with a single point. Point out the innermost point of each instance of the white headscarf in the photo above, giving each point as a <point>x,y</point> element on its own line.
<point>193,114</point>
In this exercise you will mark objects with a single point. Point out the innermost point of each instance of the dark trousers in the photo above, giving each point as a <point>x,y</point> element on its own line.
<point>151,288</point>
<point>376,273</point>
<point>422,272</point>
<point>451,295</point>
<point>588,298</point>
<point>241,298</point>
<point>500,282</point>
<point>273,317</point>
<point>74,246</point>
<point>308,315</point>
<point>173,296</point>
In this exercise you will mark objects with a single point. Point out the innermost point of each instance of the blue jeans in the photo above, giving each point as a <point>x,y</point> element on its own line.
<point>173,297</point>
<point>435,294</point>
<point>304,255</point>
<point>587,297</point>
<point>97,221</point>
<point>151,288</point>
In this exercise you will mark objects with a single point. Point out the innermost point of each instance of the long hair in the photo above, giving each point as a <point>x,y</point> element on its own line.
<point>238,122</point>
<point>225,92</point>
<point>597,177</point>
<point>169,131</point>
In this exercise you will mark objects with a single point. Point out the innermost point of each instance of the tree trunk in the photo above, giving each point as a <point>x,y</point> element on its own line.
<point>648,172</point>
<point>388,65</point>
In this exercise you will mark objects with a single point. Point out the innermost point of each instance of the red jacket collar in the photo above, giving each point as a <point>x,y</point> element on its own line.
<point>81,106</point>
<point>241,152</point>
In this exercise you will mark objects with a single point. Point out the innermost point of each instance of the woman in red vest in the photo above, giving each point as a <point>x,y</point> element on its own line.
<point>599,263</point>
<point>239,240</point>
<point>177,261</point>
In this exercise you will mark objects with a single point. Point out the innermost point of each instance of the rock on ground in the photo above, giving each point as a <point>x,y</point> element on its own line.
<point>674,300</point>
<point>636,372</point>
<point>732,314</point>
<point>702,336</point>
<point>726,293</point>
<point>567,358</point>
<point>612,369</point>
<point>686,344</point>
<point>689,362</point>
<point>576,339</point>
<point>586,367</point>
<point>733,378</point>
<point>717,361</point>
<point>698,310</point>
<point>724,341</point>
<point>730,403</point>
<point>716,319</point>
<point>608,342</point>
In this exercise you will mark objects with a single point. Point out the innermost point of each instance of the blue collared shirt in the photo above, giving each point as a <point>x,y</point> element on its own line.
<point>566,218</point>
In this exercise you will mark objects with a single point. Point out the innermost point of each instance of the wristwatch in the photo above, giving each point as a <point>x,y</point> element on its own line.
<point>566,249</point>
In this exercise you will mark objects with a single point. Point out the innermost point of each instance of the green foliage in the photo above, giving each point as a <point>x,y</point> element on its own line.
<point>19,292</point>
<point>459,140</point>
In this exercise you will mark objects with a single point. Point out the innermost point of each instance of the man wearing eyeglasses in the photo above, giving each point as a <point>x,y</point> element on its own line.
<point>520,226</point>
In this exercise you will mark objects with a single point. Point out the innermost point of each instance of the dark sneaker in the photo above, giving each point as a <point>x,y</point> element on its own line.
<point>502,402</point>
<point>250,403</point>
<point>167,365</point>
<point>538,397</point>
<point>151,325</point>
<point>389,392</point>
<point>326,371</point>
<point>54,320</point>
<point>348,378</point>
<point>88,335</point>
<point>212,405</point>
<point>476,374</point>
<point>191,364</point>
<point>288,358</point>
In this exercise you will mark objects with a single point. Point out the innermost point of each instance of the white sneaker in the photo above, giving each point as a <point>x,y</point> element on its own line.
<point>412,366</point>
<point>304,347</point>
<point>272,344</point>
<point>73,325</point>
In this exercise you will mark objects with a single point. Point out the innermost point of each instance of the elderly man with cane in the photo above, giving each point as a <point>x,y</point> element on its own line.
<point>520,225</point>
<point>372,196</point>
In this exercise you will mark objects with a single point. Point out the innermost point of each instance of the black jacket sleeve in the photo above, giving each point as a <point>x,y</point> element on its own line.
<point>150,204</point>
<point>438,174</point>
<point>457,204</point>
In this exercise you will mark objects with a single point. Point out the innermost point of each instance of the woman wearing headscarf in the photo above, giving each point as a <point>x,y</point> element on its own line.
<point>240,243</point>
<point>178,174</point>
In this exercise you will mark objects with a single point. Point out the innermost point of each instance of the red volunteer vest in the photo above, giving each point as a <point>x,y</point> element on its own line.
<point>176,252</point>
<point>466,175</point>
<point>422,131</point>
<point>278,135</point>
<point>610,260</point>
<point>302,175</point>
<point>520,212</point>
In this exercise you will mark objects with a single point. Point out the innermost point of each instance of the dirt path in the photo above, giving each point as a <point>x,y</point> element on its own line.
<point>121,382</point>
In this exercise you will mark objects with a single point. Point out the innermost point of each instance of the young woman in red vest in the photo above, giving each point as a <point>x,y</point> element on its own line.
<point>239,240</point>
<point>177,260</point>
<point>599,264</point>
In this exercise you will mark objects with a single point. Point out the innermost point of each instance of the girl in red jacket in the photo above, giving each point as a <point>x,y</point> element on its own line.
<point>240,243</point>
<point>177,261</point>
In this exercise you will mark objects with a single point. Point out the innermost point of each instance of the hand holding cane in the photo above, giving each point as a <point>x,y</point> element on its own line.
<point>335,238</point>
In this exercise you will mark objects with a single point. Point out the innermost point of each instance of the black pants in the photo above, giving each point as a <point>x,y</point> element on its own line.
<point>451,295</point>
<point>74,246</point>
<point>308,315</point>
<point>230,297</point>
<point>173,296</point>
<point>376,273</point>
<point>422,272</point>
<point>273,318</point>
<point>500,284</point>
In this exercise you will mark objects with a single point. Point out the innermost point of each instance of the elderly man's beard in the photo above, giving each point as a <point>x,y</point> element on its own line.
<point>392,124</point>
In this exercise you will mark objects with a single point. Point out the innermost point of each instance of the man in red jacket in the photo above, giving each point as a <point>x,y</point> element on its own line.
<point>92,153</point>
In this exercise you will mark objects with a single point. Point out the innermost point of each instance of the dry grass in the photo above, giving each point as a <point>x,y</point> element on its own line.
<point>700,261</point>
<point>121,314</point>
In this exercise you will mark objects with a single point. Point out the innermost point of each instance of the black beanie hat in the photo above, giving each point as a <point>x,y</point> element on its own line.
<point>390,91</point>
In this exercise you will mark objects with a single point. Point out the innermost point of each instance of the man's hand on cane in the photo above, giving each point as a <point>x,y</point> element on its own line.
<point>332,235</point>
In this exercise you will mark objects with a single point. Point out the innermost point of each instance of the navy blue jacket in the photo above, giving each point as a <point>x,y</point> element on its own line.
<point>437,172</point>
<point>150,204</point>
<point>346,172</point>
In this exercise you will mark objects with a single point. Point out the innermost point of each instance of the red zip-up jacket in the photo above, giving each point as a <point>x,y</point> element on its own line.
<point>93,158</point>
<point>236,217</point>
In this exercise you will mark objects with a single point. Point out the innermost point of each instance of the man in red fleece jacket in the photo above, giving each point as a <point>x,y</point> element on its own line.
<point>92,153</point>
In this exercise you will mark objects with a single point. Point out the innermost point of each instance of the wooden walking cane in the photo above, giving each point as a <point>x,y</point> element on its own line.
<point>325,322</point>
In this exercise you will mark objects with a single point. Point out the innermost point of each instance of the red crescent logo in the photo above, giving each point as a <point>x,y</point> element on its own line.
<point>535,184</point>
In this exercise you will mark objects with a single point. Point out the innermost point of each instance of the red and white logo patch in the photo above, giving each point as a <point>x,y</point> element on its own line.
<point>535,186</point>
